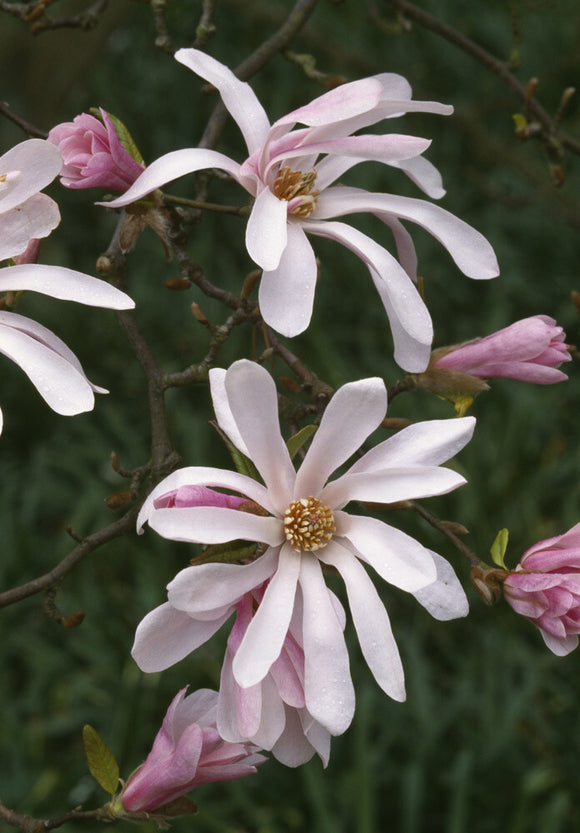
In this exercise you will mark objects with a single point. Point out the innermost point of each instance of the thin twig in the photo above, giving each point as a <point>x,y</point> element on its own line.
<point>440,525</point>
<point>26,126</point>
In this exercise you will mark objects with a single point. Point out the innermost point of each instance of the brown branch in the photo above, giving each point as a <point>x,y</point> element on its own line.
<point>28,824</point>
<point>24,125</point>
<point>444,528</point>
<point>205,28</point>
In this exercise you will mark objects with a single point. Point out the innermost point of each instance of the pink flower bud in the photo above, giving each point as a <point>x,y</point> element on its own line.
<point>187,752</point>
<point>197,496</point>
<point>93,155</point>
<point>545,587</point>
<point>529,350</point>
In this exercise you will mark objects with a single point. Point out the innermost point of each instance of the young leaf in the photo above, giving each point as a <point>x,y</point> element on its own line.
<point>102,764</point>
<point>499,547</point>
<point>296,442</point>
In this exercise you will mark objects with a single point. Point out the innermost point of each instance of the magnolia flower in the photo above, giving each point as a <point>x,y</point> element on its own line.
<point>53,369</point>
<point>93,155</point>
<point>530,350</point>
<point>304,529</point>
<point>25,214</point>
<point>545,587</point>
<point>294,196</point>
<point>187,752</point>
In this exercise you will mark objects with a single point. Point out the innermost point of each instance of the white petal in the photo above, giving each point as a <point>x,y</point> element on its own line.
<point>221,406</point>
<point>427,443</point>
<point>328,686</point>
<point>266,232</point>
<point>391,485</point>
<point>238,97</point>
<point>215,525</point>
<point>239,712</point>
<point>352,414</point>
<point>65,284</point>
<point>171,166</point>
<point>210,587</point>
<point>286,294</point>
<point>264,638</point>
<point>273,717</point>
<point>166,636</point>
<point>560,647</point>
<point>396,557</point>
<point>254,403</point>
<point>31,220</point>
<point>371,622</point>
<point>293,748</point>
<point>424,175</point>
<point>445,599</point>
<point>37,163</point>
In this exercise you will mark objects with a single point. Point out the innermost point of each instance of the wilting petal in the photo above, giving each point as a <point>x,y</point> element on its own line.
<point>445,599</point>
<point>266,232</point>
<point>30,220</point>
<point>65,284</point>
<point>215,525</point>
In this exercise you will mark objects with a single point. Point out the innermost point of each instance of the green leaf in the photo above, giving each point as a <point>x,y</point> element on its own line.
<point>123,135</point>
<point>296,442</point>
<point>499,547</point>
<point>102,764</point>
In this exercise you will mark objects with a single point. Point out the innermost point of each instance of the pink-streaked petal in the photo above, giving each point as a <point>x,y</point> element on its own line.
<point>560,647</point>
<point>396,557</point>
<point>64,284</point>
<point>203,476</point>
<point>264,638</point>
<point>210,587</point>
<point>445,599</point>
<point>354,412</point>
<point>570,539</point>
<point>215,525</point>
<point>166,636</point>
<point>36,162</point>
<point>254,403</point>
<point>427,443</point>
<point>30,220</point>
<point>371,621</point>
<point>171,166</point>
<point>391,486</point>
<point>286,295</point>
<point>288,678</point>
<point>328,686</point>
<point>469,249</point>
<point>267,230</point>
<point>238,97</point>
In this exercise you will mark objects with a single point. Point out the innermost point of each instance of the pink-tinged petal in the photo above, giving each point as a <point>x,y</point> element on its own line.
<point>354,412</point>
<point>239,710</point>
<point>166,636</point>
<point>396,557</point>
<point>371,621</point>
<point>210,587</point>
<point>238,97</point>
<point>215,525</point>
<point>264,638</point>
<point>293,748</point>
<point>171,166</point>
<point>37,162</point>
<point>286,294</point>
<point>407,312</point>
<point>64,284</point>
<point>254,403</point>
<point>424,175</point>
<point>317,735</point>
<point>406,252</point>
<point>273,717</point>
<point>391,486</point>
<point>1,421</point>
<point>328,686</point>
<point>266,231</point>
<point>30,220</point>
<point>560,647</point>
<point>570,539</point>
<point>204,476</point>
<point>469,249</point>
<point>289,680</point>
<point>422,444</point>
<point>445,599</point>
<point>221,406</point>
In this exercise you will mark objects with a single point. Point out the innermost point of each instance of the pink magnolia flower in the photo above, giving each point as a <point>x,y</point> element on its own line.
<point>545,587</point>
<point>187,752</point>
<point>530,350</point>
<point>93,155</point>
<point>25,214</point>
<point>306,528</point>
<point>294,196</point>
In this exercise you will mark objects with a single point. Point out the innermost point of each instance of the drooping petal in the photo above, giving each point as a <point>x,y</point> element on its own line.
<point>239,710</point>
<point>286,294</point>
<point>267,230</point>
<point>293,748</point>
<point>370,620</point>
<point>215,525</point>
<point>390,485</point>
<point>64,284</point>
<point>352,414</point>
<point>36,163</point>
<point>31,220</point>
<point>424,175</point>
<point>560,647</point>
<point>445,599</point>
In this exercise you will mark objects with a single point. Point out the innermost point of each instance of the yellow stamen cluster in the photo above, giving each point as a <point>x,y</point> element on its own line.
<point>290,184</point>
<point>308,524</point>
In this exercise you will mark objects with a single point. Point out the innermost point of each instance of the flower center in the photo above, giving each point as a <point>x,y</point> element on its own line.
<point>296,188</point>
<point>308,524</point>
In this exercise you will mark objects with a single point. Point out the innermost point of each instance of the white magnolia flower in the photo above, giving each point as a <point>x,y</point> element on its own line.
<point>295,196</point>
<point>306,528</point>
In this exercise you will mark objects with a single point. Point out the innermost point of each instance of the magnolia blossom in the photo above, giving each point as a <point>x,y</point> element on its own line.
<point>305,528</point>
<point>53,369</point>
<point>545,587</point>
<point>25,214</point>
<point>530,350</point>
<point>187,752</point>
<point>93,155</point>
<point>294,196</point>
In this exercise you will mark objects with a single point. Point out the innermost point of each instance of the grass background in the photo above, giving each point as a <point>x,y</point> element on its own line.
<point>489,738</point>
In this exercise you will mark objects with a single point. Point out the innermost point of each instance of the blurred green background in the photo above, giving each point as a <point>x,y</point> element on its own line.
<point>489,738</point>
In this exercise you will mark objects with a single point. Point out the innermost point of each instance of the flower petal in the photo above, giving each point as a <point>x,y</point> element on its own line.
<point>36,162</point>
<point>221,406</point>
<point>64,284</point>
<point>560,647</point>
<point>445,599</point>
<point>31,220</point>
<point>215,525</point>
<point>391,485</point>
<point>266,232</point>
